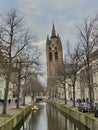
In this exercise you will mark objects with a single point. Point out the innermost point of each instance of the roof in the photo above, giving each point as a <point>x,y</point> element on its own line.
<point>94,54</point>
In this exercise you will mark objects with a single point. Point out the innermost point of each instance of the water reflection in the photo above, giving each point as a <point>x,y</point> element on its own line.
<point>49,118</point>
<point>39,118</point>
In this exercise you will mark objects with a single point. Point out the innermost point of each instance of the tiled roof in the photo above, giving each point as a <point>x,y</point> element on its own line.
<point>94,54</point>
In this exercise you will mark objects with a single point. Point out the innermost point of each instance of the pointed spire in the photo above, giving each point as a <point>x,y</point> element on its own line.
<point>53,31</point>
<point>59,40</point>
<point>47,39</point>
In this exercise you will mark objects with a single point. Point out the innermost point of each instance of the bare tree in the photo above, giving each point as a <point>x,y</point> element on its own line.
<point>13,39</point>
<point>26,65</point>
<point>70,67</point>
<point>61,79</point>
<point>29,69</point>
<point>35,87</point>
<point>88,36</point>
<point>74,64</point>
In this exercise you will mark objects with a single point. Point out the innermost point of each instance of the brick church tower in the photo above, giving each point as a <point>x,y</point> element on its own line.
<point>54,57</point>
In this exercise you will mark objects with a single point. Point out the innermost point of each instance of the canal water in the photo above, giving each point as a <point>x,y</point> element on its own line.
<point>48,117</point>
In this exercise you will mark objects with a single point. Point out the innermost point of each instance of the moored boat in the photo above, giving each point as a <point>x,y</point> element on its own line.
<point>34,107</point>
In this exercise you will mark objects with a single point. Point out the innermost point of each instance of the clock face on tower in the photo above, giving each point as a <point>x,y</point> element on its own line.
<point>52,45</point>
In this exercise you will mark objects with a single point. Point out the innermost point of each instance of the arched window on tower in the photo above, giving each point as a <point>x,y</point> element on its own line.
<point>50,56</point>
<point>50,48</point>
<point>55,48</point>
<point>56,55</point>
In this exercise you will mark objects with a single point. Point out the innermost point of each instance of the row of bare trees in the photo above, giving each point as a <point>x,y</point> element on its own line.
<point>19,57</point>
<point>80,56</point>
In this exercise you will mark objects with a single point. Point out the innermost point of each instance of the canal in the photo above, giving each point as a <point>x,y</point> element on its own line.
<point>48,117</point>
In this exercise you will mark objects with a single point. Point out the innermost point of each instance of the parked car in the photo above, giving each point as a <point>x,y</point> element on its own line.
<point>96,110</point>
<point>84,107</point>
<point>38,98</point>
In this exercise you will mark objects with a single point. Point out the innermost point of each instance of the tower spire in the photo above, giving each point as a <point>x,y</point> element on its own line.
<point>53,31</point>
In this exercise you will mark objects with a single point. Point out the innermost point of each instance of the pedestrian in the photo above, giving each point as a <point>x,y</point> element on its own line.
<point>87,102</point>
<point>71,98</point>
<point>16,100</point>
<point>9,101</point>
<point>83,99</point>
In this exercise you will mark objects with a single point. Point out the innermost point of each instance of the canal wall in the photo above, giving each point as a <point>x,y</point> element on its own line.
<point>87,119</point>
<point>15,120</point>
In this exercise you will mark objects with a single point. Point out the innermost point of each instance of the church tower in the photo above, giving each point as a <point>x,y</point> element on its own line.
<point>54,56</point>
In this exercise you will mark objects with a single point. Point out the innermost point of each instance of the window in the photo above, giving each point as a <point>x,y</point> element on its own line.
<point>94,77</point>
<point>97,65</point>
<point>50,56</point>
<point>55,48</point>
<point>56,55</point>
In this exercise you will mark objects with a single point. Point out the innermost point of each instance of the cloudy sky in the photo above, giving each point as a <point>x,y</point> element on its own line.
<point>40,15</point>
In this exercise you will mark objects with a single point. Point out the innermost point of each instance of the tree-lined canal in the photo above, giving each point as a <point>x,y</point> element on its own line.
<point>48,117</point>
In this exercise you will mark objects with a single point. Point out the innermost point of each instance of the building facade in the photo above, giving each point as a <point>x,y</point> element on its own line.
<point>82,79</point>
<point>94,63</point>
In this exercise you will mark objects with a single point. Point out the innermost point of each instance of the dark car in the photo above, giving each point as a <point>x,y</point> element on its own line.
<point>96,110</point>
<point>84,107</point>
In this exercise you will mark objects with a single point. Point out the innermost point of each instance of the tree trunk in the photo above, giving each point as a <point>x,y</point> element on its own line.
<point>24,98</point>
<point>89,82</point>
<point>6,89</point>
<point>73,95</point>
<point>18,89</point>
<point>65,93</point>
<point>5,96</point>
<point>24,94</point>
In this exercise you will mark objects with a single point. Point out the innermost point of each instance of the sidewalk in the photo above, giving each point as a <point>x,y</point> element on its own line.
<point>13,116</point>
<point>69,102</point>
<point>9,106</point>
<point>11,110</point>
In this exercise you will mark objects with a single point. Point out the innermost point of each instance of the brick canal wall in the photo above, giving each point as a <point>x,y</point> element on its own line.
<point>87,119</point>
<point>15,120</point>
